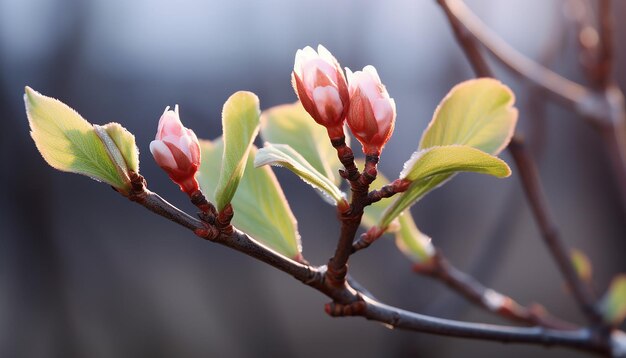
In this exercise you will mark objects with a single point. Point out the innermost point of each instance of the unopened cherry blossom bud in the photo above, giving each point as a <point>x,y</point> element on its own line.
<point>177,151</point>
<point>321,87</point>
<point>372,113</point>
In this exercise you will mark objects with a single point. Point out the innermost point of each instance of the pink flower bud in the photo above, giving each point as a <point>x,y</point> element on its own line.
<point>372,114</point>
<point>177,151</point>
<point>321,86</point>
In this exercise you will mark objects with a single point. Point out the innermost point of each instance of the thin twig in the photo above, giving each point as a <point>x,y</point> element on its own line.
<point>351,218</point>
<point>371,309</point>
<point>529,174</point>
<point>606,51</point>
<point>504,306</point>
<point>565,90</point>
<point>529,177</point>
<point>603,107</point>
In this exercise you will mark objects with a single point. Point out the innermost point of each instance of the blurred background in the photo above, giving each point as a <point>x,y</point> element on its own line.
<point>86,273</point>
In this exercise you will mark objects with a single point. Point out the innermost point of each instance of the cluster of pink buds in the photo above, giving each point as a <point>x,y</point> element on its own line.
<point>177,151</point>
<point>362,100</point>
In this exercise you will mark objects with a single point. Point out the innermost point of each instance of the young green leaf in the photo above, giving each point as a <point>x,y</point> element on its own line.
<point>475,114</point>
<point>240,122</point>
<point>450,159</point>
<point>68,142</point>
<point>290,124</point>
<point>414,244</point>
<point>478,113</point>
<point>261,209</point>
<point>613,304</point>
<point>125,142</point>
<point>428,168</point>
<point>285,156</point>
<point>581,264</point>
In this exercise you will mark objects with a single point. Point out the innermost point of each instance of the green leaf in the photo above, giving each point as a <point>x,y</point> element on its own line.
<point>428,168</point>
<point>613,304</point>
<point>261,209</point>
<point>240,122</point>
<point>285,156</point>
<point>450,159</point>
<point>125,142</point>
<point>414,244</point>
<point>290,124</point>
<point>581,264</point>
<point>68,142</point>
<point>478,113</point>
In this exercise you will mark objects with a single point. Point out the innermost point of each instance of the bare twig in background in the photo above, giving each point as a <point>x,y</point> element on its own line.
<point>602,107</point>
<point>440,269</point>
<point>529,176</point>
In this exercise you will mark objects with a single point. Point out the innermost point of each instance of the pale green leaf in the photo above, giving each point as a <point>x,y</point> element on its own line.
<point>478,113</point>
<point>285,156</point>
<point>581,264</point>
<point>240,122</point>
<point>450,159</point>
<point>613,304</point>
<point>416,245</point>
<point>428,168</point>
<point>125,142</point>
<point>113,151</point>
<point>68,142</point>
<point>290,124</point>
<point>261,209</point>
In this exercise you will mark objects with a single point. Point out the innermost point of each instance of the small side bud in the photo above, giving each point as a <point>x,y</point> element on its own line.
<point>177,151</point>
<point>372,113</point>
<point>321,87</point>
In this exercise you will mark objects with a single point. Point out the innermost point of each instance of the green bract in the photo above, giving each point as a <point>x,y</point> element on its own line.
<point>290,124</point>
<point>69,143</point>
<point>285,156</point>
<point>240,122</point>
<point>414,244</point>
<point>581,264</point>
<point>613,304</point>
<point>261,209</point>
<point>472,123</point>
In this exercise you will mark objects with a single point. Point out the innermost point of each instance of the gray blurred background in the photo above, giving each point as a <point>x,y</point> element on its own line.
<point>85,273</point>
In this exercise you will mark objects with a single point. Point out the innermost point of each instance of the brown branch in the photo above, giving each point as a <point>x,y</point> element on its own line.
<point>467,42</point>
<point>529,177</point>
<point>350,218</point>
<point>604,65</point>
<point>387,191</point>
<point>369,308</point>
<point>440,269</point>
<point>603,107</point>
<point>563,89</point>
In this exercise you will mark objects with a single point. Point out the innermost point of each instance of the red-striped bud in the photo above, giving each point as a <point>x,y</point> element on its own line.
<point>321,87</point>
<point>372,113</point>
<point>177,151</point>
